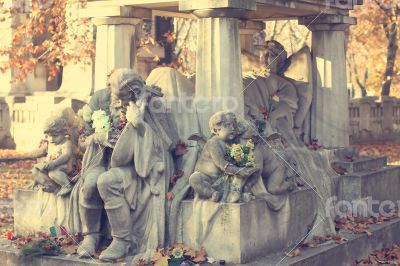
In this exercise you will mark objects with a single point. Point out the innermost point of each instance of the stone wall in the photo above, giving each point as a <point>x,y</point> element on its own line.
<point>374,120</point>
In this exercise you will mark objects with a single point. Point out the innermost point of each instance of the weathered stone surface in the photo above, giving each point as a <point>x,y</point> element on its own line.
<point>9,257</point>
<point>219,85</point>
<point>382,184</point>
<point>115,46</point>
<point>330,114</point>
<point>190,5</point>
<point>362,164</point>
<point>36,211</point>
<point>245,231</point>
<point>357,247</point>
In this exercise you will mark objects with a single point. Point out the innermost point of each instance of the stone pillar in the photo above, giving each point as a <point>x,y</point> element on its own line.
<point>219,84</point>
<point>365,112</point>
<point>330,117</point>
<point>115,46</point>
<point>388,103</point>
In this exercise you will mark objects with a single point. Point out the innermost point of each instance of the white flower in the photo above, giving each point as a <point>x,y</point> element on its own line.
<point>101,121</point>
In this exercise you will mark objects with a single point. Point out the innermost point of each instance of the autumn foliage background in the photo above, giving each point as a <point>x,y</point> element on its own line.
<point>44,32</point>
<point>372,55</point>
<point>49,33</point>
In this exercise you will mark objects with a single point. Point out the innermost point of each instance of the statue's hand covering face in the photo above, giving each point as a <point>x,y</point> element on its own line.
<point>126,85</point>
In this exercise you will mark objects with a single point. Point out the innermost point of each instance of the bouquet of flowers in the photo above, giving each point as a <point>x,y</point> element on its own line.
<point>100,122</point>
<point>241,155</point>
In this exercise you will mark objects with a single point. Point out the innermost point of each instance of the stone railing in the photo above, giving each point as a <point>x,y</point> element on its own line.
<point>374,120</point>
<point>29,113</point>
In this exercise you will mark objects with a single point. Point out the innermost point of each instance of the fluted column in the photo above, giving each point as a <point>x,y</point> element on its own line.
<point>219,84</point>
<point>330,106</point>
<point>115,46</point>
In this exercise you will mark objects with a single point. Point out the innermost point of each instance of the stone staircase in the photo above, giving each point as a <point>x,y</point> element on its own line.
<point>367,179</point>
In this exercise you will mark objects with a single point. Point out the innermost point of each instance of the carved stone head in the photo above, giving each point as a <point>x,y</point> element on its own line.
<point>56,129</point>
<point>276,57</point>
<point>126,85</point>
<point>224,125</point>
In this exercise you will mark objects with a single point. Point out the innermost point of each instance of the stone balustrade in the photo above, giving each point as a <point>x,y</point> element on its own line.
<point>374,120</point>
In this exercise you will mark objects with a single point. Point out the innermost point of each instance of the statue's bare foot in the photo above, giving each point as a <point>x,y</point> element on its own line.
<point>233,197</point>
<point>65,190</point>
<point>118,248</point>
<point>216,196</point>
<point>88,246</point>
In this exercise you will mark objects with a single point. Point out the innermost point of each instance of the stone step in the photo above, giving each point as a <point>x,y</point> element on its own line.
<point>358,247</point>
<point>240,231</point>
<point>362,164</point>
<point>382,184</point>
<point>9,256</point>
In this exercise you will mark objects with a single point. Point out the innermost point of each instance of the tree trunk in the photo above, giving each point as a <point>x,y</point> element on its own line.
<point>392,35</point>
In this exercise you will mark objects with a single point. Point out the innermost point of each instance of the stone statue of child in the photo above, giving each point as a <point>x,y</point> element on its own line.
<point>57,164</point>
<point>213,164</point>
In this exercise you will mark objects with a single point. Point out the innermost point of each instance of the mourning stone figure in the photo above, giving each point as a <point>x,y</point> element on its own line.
<point>133,188</point>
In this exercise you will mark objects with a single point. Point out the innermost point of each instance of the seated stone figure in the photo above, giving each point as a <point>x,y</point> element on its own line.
<point>54,170</point>
<point>133,187</point>
<point>213,168</point>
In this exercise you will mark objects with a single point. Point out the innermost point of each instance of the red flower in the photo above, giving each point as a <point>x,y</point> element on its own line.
<point>264,112</point>
<point>180,148</point>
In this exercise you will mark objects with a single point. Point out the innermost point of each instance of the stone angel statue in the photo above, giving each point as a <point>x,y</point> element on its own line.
<point>282,97</point>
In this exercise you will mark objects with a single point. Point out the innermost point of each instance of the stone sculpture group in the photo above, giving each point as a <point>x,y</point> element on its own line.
<point>131,156</point>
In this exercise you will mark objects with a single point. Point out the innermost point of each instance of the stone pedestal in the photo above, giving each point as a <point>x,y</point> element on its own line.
<point>37,211</point>
<point>115,46</point>
<point>330,115</point>
<point>243,232</point>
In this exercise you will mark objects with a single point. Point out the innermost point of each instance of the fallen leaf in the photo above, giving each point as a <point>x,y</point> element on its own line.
<point>294,253</point>
<point>70,249</point>
<point>201,256</point>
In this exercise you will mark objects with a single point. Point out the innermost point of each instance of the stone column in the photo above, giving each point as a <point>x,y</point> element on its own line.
<point>388,103</point>
<point>365,112</point>
<point>219,84</point>
<point>330,117</point>
<point>115,46</point>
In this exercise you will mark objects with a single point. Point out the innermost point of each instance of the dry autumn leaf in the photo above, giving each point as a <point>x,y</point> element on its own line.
<point>294,253</point>
<point>201,256</point>
<point>70,249</point>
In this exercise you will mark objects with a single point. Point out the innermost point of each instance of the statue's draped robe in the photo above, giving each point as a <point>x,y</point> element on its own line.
<point>137,153</point>
<point>258,93</point>
<point>134,157</point>
<point>178,95</point>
